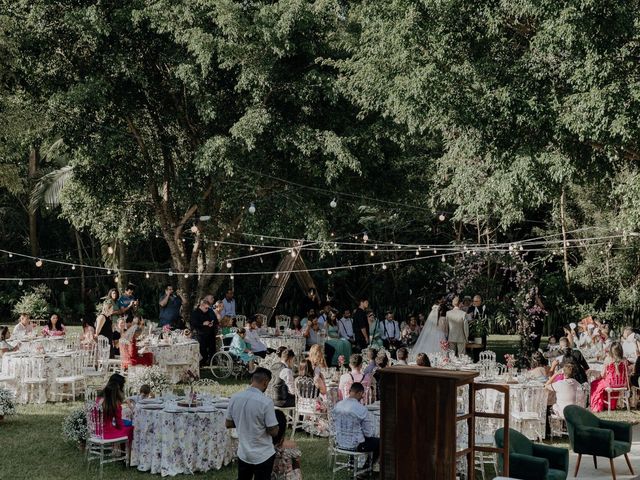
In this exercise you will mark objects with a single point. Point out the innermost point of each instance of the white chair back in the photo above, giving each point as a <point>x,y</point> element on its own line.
<point>72,341</point>
<point>95,420</point>
<point>487,356</point>
<point>34,369</point>
<point>240,320</point>
<point>206,385</point>
<point>90,356</point>
<point>103,352</point>
<point>306,395</point>
<point>283,323</point>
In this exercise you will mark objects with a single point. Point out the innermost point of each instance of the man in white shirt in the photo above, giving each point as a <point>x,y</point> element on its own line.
<point>252,337</point>
<point>23,329</point>
<point>229,304</point>
<point>252,414</point>
<point>353,424</point>
<point>345,327</point>
<point>390,330</point>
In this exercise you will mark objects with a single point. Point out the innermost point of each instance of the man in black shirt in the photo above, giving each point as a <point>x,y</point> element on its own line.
<point>205,328</point>
<point>361,324</point>
<point>574,356</point>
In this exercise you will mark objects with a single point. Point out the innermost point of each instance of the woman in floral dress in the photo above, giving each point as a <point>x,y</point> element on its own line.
<point>54,327</point>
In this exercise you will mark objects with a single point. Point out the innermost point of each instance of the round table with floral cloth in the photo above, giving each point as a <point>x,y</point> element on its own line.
<point>187,353</point>
<point>293,342</point>
<point>180,443</point>
<point>54,365</point>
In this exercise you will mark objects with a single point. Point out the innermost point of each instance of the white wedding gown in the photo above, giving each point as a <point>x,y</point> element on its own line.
<point>429,339</point>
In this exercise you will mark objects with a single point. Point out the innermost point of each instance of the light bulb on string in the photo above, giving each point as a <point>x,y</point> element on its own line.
<point>329,272</point>
<point>110,250</point>
<point>39,263</point>
<point>228,264</point>
<point>73,267</point>
<point>277,275</point>
<point>371,253</point>
<point>10,255</point>
<point>293,254</point>
<point>261,238</point>
<point>443,259</point>
<point>252,208</point>
<point>109,272</point>
<point>375,247</point>
<point>20,283</point>
<point>442,217</point>
<point>146,275</point>
<point>117,279</point>
<point>66,281</point>
<point>333,203</point>
<point>435,250</point>
<point>231,277</point>
<point>417,253</point>
<point>215,244</point>
<point>170,273</point>
<point>365,237</point>
<point>194,229</point>
<point>384,266</point>
<point>186,275</point>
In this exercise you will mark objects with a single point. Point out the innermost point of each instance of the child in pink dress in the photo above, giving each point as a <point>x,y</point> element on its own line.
<point>111,401</point>
<point>286,466</point>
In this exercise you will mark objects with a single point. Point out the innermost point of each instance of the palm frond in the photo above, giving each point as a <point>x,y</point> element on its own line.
<point>47,190</point>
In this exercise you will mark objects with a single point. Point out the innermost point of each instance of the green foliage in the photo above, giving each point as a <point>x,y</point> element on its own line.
<point>34,303</point>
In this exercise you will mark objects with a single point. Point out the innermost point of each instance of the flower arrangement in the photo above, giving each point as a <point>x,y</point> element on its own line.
<point>510,359</point>
<point>166,329</point>
<point>153,376</point>
<point>7,404</point>
<point>444,345</point>
<point>74,426</point>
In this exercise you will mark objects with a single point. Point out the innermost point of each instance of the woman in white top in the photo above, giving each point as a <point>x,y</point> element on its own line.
<point>630,344</point>
<point>568,391</point>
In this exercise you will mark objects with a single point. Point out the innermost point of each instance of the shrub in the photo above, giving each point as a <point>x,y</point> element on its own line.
<point>74,426</point>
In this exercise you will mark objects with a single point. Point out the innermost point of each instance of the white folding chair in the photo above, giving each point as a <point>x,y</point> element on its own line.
<point>359,463</point>
<point>283,322</point>
<point>34,378</point>
<point>240,321</point>
<point>99,448</point>
<point>307,396</point>
<point>72,378</point>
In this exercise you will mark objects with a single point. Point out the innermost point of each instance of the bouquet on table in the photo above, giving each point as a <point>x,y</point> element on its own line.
<point>444,345</point>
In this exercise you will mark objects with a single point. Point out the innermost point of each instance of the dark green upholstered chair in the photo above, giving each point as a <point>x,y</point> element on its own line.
<point>590,435</point>
<point>533,461</point>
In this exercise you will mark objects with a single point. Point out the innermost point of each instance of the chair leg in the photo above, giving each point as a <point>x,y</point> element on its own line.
<point>595,462</point>
<point>626,457</point>
<point>613,469</point>
<point>578,465</point>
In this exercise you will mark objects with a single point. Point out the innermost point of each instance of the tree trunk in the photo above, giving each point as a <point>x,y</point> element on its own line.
<point>564,237</point>
<point>122,264</point>
<point>82,278</point>
<point>34,162</point>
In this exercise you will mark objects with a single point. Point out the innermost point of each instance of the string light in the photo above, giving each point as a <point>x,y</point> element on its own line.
<point>117,279</point>
<point>39,263</point>
<point>11,255</point>
<point>329,272</point>
<point>444,259</point>
<point>384,266</point>
<point>371,253</point>
<point>170,273</point>
<point>110,250</point>
<point>229,265</point>
<point>66,281</point>
<point>277,275</point>
<point>146,275</point>
<point>252,208</point>
<point>194,229</point>
<point>186,275</point>
<point>73,267</point>
<point>109,272</point>
<point>333,203</point>
<point>20,283</point>
<point>365,237</point>
<point>442,217</point>
<point>231,277</point>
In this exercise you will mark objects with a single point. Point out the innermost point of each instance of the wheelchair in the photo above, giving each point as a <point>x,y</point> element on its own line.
<point>224,364</point>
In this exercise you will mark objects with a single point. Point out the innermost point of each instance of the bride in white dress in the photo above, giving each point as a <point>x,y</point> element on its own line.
<point>435,330</point>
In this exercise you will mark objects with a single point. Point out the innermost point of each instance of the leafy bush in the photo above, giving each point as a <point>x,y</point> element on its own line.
<point>74,426</point>
<point>34,303</point>
<point>153,376</point>
<point>7,404</point>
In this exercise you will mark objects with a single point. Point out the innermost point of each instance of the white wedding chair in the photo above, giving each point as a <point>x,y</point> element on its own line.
<point>307,396</point>
<point>34,378</point>
<point>487,356</point>
<point>73,377</point>
<point>358,463</point>
<point>241,321</point>
<point>99,448</point>
<point>72,341</point>
<point>529,414</point>
<point>283,322</point>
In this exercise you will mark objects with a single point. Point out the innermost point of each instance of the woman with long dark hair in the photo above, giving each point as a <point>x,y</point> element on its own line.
<point>111,401</point>
<point>54,327</point>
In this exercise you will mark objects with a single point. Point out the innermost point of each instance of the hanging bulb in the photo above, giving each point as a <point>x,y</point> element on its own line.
<point>435,250</point>
<point>110,250</point>
<point>251,248</point>
<point>117,279</point>
<point>146,275</point>
<point>261,238</point>
<point>11,255</point>
<point>215,244</point>
<point>442,217</point>
<point>20,282</point>
<point>228,264</point>
<point>333,203</point>
<point>184,240</point>
<point>170,273</point>
<point>329,272</point>
<point>375,246</point>
<point>521,248</point>
<point>443,259</point>
<point>371,253</point>
<point>194,229</point>
<point>252,208</point>
<point>417,253</point>
<point>277,275</point>
<point>384,266</point>
<point>231,277</point>
<point>109,272</point>
<point>39,263</point>
<point>186,275</point>
<point>66,281</point>
<point>293,254</point>
<point>73,267</point>
<point>365,237</point>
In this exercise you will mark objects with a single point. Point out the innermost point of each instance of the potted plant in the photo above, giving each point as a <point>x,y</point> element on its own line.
<point>7,403</point>
<point>74,427</point>
<point>478,329</point>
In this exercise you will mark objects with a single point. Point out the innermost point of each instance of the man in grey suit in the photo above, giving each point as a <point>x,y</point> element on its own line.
<point>458,327</point>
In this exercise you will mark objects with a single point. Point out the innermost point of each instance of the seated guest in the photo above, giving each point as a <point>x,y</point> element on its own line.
<point>630,344</point>
<point>5,346</point>
<point>143,393</point>
<point>411,332</point>
<point>284,386</point>
<point>568,391</point>
<point>567,354</point>
<point>24,328</point>
<point>355,375</point>
<point>402,355</point>
<point>54,327</point>
<point>226,326</point>
<point>615,374</point>
<point>286,465</point>
<point>372,353</point>
<point>353,424</point>
<point>88,334</point>
<point>111,401</point>
<point>381,362</point>
<point>318,362</point>
<point>311,331</point>
<point>345,327</point>
<point>253,339</point>
<point>539,367</point>
<point>296,325</point>
<point>133,356</point>
<point>422,360</point>
<point>240,349</point>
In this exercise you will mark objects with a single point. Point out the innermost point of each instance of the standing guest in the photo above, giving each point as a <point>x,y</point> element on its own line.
<point>104,323</point>
<point>391,333</point>
<point>170,305</point>
<point>403,355</point>
<point>340,345</point>
<point>23,328</point>
<point>353,425</point>
<point>422,360</point>
<point>296,325</point>
<point>218,311</point>
<point>287,462</point>
<point>305,320</point>
<point>241,349</point>
<point>284,386</point>
<point>310,302</point>
<point>355,375</point>
<point>345,327</point>
<point>5,346</point>
<point>421,320</point>
<point>568,391</point>
<point>54,327</point>
<point>252,414</point>
<point>205,328</point>
<point>411,332</point>
<point>458,327</point>
<point>229,304</point>
<point>88,333</point>
<point>466,304</point>
<point>568,354</point>
<point>127,302</point>
<point>615,375</point>
<point>253,339</point>
<point>476,313</point>
<point>361,325</point>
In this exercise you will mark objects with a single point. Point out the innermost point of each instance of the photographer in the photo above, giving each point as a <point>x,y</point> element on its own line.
<point>170,305</point>
<point>127,302</point>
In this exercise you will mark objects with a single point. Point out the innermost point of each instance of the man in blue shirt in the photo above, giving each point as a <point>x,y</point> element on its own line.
<point>127,302</point>
<point>170,305</point>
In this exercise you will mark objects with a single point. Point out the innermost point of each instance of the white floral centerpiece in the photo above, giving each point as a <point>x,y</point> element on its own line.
<point>7,403</point>
<point>153,376</point>
<point>74,427</point>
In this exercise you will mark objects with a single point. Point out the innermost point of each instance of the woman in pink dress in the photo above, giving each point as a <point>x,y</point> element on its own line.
<point>111,401</point>
<point>54,327</point>
<point>615,374</point>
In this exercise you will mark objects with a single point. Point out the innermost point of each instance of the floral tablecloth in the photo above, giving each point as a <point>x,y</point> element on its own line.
<point>180,443</point>
<point>53,365</point>
<point>295,343</point>
<point>187,353</point>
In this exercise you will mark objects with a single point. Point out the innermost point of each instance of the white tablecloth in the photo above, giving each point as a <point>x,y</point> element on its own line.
<point>295,343</point>
<point>179,443</point>
<point>54,365</point>
<point>189,353</point>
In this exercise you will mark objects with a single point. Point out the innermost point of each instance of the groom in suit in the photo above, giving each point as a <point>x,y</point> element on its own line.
<point>458,327</point>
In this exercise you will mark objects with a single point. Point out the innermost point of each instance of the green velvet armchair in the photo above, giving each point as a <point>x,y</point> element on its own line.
<point>590,435</point>
<point>533,461</point>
